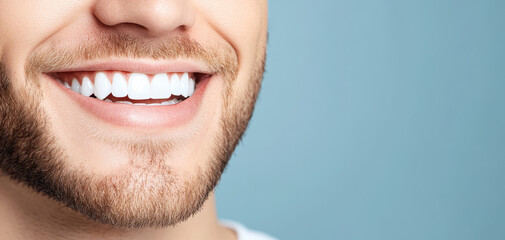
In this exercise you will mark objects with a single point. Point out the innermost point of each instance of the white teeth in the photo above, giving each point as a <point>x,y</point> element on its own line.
<point>171,102</point>
<point>175,84</point>
<point>145,104</point>
<point>160,86</point>
<point>191,88</point>
<point>138,86</point>
<point>119,86</point>
<point>108,100</point>
<point>102,86</point>
<point>125,102</point>
<point>184,85</point>
<point>75,85</point>
<point>87,87</point>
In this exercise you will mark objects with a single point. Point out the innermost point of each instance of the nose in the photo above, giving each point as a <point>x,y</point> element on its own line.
<point>155,17</point>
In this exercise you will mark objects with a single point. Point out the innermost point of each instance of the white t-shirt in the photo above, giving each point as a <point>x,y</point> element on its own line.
<point>243,233</point>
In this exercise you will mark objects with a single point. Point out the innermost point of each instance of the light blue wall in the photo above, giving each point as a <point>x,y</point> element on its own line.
<point>377,120</point>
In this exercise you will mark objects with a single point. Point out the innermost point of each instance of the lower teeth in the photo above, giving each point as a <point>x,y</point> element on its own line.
<point>165,103</point>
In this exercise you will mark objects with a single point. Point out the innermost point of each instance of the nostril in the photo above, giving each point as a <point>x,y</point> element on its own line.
<point>127,27</point>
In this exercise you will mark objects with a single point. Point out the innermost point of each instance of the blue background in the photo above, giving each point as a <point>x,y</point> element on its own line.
<point>377,120</point>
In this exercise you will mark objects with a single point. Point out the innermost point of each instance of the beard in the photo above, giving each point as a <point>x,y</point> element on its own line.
<point>149,192</point>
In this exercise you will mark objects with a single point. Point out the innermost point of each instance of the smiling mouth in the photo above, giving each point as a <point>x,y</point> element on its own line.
<point>132,88</point>
<point>135,94</point>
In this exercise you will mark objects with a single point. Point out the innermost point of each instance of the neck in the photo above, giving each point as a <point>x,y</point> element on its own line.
<point>26,214</point>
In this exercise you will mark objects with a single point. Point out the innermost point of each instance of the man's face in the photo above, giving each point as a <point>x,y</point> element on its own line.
<point>69,71</point>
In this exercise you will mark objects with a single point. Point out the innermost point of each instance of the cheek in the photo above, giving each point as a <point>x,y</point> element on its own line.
<point>26,24</point>
<point>243,24</point>
<point>239,22</point>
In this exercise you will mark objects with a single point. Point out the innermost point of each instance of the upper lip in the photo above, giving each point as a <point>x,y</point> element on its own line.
<point>147,66</point>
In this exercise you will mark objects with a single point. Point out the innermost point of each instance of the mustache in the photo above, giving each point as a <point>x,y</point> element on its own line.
<point>219,59</point>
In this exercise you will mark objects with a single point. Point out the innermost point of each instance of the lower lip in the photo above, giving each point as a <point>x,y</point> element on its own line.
<point>126,115</point>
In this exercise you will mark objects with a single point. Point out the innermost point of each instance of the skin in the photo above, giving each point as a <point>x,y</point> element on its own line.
<point>176,166</point>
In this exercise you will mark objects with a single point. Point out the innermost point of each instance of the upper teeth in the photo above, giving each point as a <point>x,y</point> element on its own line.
<point>138,86</point>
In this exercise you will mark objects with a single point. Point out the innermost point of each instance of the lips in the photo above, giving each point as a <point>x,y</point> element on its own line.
<point>134,99</point>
